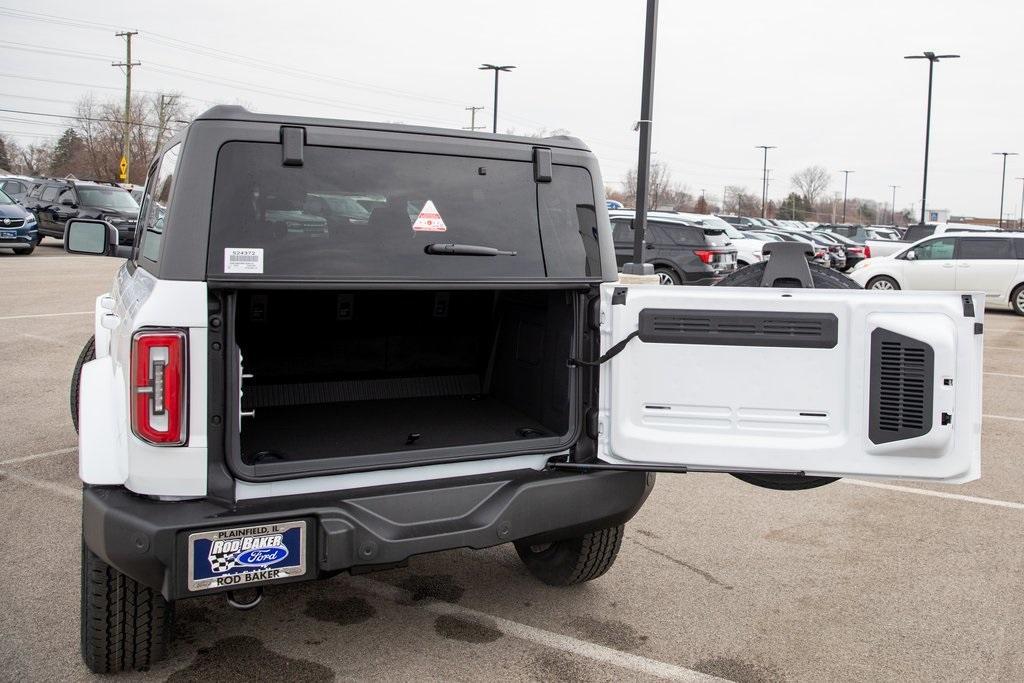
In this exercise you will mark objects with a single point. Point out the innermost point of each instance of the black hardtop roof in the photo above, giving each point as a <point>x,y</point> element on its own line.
<point>226,112</point>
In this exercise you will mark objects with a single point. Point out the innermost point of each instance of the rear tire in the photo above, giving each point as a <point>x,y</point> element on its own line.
<point>88,353</point>
<point>125,625</point>
<point>572,560</point>
<point>1017,300</point>
<point>883,283</point>
<point>667,276</point>
<point>823,278</point>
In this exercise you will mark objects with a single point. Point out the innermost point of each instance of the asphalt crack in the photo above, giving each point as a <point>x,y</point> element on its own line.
<point>707,576</point>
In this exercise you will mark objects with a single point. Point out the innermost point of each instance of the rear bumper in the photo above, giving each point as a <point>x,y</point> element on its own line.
<point>148,539</point>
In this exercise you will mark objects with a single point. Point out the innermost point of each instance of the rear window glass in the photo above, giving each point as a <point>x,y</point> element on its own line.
<point>918,232</point>
<point>684,234</point>
<point>351,213</point>
<point>985,248</point>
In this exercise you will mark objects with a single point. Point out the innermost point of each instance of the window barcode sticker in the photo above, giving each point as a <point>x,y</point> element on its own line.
<point>243,260</point>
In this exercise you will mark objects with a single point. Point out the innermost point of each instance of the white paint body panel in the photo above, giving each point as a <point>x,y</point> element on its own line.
<point>739,407</point>
<point>108,451</point>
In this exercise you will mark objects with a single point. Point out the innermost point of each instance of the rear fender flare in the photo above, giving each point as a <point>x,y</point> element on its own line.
<point>102,447</point>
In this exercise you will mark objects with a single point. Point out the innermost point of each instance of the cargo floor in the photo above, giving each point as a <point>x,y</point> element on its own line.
<point>307,432</point>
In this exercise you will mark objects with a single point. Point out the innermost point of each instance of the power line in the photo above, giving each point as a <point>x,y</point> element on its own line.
<point>40,99</point>
<point>78,118</point>
<point>41,79</point>
<point>27,134</point>
<point>203,50</point>
<point>281,93</point>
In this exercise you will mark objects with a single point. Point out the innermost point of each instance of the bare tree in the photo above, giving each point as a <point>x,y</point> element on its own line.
<point>662,191</point>
<point>811,182</point>
<point>101,127</point>
<point>34,159</point>
<point>740,202</point>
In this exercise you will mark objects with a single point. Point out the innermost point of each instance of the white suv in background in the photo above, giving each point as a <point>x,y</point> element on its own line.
<point>989,262</point>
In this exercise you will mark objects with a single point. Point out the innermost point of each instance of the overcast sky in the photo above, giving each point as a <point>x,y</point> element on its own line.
<point>825,81</point>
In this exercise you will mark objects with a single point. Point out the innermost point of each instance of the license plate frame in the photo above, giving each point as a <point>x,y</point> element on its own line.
<point>246,555</point>
<point>8,234</point>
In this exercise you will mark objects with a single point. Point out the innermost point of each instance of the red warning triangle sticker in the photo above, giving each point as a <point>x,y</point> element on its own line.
<point>429,219</point>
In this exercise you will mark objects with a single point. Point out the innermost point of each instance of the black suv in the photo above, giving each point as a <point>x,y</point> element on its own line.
<point>56,200</point>
<point>683,253</point>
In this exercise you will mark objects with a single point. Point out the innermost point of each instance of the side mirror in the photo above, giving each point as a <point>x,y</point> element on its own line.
<point>91,237</point>
<point>911,256</point>
<point>68,202</point>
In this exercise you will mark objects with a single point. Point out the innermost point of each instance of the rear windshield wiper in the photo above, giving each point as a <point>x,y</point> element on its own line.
<point>448,249</point>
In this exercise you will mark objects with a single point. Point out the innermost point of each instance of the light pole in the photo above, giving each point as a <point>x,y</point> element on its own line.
<point>1020,223</point>
<point>893,212</point>
<point>495,69</point>
<point>764,184</point>
<point>1002,185</point>
<point>932,58</point>
<point>846,185</point>
<point>643,165</point>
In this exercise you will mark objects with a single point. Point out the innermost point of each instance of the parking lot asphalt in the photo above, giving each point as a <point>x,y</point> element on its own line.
<point>902,581</point>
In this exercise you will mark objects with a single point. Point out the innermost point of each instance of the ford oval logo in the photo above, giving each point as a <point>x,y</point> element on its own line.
<point>261,557</point>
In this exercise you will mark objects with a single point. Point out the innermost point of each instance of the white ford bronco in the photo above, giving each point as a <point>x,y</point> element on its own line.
<point>336,345</point>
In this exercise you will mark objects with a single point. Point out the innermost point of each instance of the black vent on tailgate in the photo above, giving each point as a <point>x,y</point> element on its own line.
<point>739,328</point>
<point>902,375</point>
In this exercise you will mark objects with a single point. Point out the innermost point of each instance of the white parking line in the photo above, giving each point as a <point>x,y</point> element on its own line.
<point>1003,417</point>
<point>44,315</point>
<point>538,636</point>
<point>51,486</point>
<point>36,456</point>
<point>1005,374</point>
<point>1003,348</point>
<point>935,494</point>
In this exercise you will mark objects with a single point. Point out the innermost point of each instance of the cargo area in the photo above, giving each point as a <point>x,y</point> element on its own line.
<point>358,380</point>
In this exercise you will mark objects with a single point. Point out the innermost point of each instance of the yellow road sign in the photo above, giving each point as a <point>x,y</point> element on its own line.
<point>124,168</point>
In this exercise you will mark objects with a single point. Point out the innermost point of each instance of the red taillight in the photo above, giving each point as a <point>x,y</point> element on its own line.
<point>704,255</point>
<point>158,387</point>
<point>867,252</point>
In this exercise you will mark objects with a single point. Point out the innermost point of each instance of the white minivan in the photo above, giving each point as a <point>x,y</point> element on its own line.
<point>989,262</point>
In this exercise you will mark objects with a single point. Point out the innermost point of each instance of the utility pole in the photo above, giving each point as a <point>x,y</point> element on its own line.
<point>643,166</point>
<point>846,185</point>
<point>472,119</point>
<point>764,186</point>
<point>496,69</point>
<point>1020,223</point>
<point>1002,185</point>
<point>893,213</point>
<point>127,64</point>
<point>932,58</point>
<point>162,118</point>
